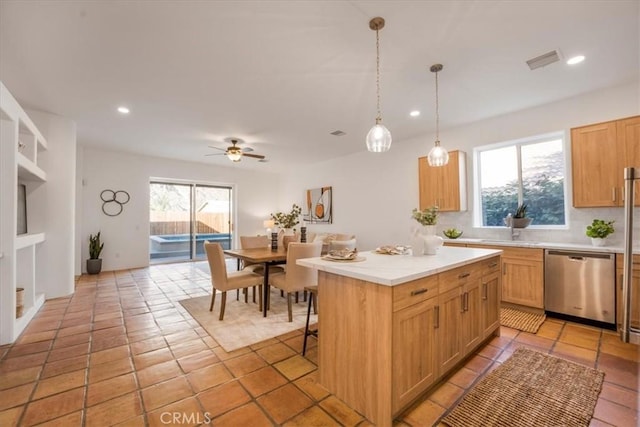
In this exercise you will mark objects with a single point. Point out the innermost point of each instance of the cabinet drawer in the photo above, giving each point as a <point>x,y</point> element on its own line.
<point>489,266</point>
<point>460,276</point>
<point>414,292</point>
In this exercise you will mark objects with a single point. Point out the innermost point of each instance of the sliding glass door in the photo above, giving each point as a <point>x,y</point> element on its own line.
<point>183,215</point>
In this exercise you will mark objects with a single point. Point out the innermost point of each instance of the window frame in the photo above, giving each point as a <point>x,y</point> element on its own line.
<point>518,143</point>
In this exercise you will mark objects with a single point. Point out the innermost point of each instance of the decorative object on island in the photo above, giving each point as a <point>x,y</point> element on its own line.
<point>519,219</point>
<point>94,263</point>
<point>319,206</point>
<point>424,240</point>
<point>438,156</point>
<point>379,138</point>
<point>113,201</point>
<point>452,233</point>
<point>599,230</point>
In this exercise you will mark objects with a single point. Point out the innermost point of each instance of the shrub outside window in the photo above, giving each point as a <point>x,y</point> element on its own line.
<point>529,171</point>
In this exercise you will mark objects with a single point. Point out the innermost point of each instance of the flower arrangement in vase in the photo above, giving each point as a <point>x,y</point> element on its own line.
<point>426,243</point>
<point>287,220</point>
<point>599,230</point>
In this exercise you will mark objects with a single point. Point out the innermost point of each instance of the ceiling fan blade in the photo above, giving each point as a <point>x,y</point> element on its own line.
<point>247,149</point>
<point>217,148</point>
<point>215,154</point>
<point>255,156</point>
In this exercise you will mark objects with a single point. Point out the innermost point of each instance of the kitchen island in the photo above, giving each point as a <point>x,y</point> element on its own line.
<point>392,325</point>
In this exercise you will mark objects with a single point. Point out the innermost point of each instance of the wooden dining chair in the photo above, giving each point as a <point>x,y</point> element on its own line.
<point>296,277</point>
<point>223,281</point>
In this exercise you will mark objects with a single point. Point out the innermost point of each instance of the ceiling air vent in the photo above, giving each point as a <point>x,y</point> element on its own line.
<point>337,133</point>
<point>544,59</point>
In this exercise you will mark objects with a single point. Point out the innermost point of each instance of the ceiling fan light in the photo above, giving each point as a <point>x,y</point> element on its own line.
<point>378,139</point>
<point>234,156</point>
<point>438,156</point>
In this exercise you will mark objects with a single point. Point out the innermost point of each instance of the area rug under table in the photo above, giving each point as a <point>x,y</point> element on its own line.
<point>531,389</point>
<point>521,320</point>
<point>243,323</point>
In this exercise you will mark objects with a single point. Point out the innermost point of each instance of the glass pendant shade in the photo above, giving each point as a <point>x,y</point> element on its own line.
<point>378,138</point>
<point>438,156</point>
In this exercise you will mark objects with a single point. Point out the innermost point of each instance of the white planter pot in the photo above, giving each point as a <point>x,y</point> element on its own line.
<point>597,241</point>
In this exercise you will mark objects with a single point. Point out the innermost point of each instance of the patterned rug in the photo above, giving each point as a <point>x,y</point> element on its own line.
<point>531,389</point>
<point>243,324</point>
<point>521,320</point>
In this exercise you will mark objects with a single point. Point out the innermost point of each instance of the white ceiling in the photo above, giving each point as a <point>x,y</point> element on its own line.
<point>282,75</point>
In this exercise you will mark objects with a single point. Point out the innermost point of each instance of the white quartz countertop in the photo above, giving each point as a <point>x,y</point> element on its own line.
<point>542,245</point>
<point>393,270</point>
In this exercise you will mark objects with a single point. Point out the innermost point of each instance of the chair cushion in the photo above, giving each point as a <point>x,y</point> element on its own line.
<point>241,279</point>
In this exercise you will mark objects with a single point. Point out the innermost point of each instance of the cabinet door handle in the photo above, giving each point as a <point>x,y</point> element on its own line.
<point>493,264</point>
<point>463,275</point>
<point>485,294</point>
<point>419,291</point>
<point>613,194</point>
<point>466,301</point>
<point>436,313</point>
<point>462,303</point>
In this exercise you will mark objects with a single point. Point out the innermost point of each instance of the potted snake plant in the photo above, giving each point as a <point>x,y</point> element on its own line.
<point>94,263</point>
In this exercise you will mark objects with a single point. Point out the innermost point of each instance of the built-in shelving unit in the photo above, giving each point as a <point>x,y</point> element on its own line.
<point>20,149</point>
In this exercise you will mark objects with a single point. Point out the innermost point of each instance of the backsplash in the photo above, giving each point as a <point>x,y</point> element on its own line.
<point>578,221</point>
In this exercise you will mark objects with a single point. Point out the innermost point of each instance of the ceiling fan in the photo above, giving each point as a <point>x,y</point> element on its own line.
<point>235,153</point>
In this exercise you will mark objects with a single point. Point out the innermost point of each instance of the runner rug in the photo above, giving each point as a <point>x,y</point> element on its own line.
<point>521,320</point>
<point>243,324</point>
<point>531,389</point>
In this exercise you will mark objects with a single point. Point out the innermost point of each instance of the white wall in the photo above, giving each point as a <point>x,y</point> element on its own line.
<point>374,193</point>
<point>126,236</point>
<point>57,200</point>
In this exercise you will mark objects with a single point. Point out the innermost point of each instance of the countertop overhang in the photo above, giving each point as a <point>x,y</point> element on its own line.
<point>541,245</point>
<point>391,270</point>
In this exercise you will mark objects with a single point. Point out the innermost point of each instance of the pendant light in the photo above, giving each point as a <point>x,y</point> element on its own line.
<point>438,156</point>
<point>379,137</point>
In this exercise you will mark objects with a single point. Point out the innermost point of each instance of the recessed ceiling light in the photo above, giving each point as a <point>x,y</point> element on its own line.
<point>575,60</point>
<point>414,113</point>
<point>123,110</point>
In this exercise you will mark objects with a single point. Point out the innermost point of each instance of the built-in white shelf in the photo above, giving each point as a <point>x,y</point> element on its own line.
<point>26,240</point>
<point>21,322</point>
<point>29,171</point>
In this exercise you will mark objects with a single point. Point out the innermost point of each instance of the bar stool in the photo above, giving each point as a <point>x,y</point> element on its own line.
<point>313,296</point>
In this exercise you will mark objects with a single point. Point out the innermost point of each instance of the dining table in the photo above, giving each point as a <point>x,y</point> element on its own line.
<point>266,256</point>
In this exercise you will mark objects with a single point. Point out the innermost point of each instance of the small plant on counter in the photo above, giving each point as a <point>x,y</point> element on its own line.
<point>600,229</point>
<point>428,216</point>
<point>289,220</point>
<point>521,212</point>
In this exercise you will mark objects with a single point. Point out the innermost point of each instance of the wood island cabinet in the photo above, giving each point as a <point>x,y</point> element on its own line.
<point>599,153</point>
<point>444,186</point>
<point>383,346</point>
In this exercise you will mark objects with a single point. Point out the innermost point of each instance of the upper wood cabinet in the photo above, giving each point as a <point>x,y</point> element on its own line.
<point>444,186</point>
<point>599,153</point>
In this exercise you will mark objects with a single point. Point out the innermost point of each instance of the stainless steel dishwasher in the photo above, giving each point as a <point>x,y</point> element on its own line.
<point>580,284</point>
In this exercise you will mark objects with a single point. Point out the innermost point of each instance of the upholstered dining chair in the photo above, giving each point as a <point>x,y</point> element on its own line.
<point>253,242</point>
<point>223,281</point>
<point>296,277</point>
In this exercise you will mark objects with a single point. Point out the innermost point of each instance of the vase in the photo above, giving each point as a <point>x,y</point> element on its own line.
<point>598,241</point>
<point>431,242</point>
<point>94,266</point>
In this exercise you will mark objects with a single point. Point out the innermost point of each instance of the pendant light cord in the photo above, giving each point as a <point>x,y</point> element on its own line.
<point>379,118</point>
<point>437,114</point>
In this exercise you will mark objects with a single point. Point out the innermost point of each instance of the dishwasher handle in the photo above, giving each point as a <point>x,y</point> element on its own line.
<point>579,256</point>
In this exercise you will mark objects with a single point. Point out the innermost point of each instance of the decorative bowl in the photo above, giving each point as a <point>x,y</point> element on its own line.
<point>452,233</point>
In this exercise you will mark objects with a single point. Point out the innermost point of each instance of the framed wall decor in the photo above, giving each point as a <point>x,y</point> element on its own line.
<point>319,206</point>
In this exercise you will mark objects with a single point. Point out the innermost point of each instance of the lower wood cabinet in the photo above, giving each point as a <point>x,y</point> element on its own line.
<point>490,300</point>
<point>635,284</point>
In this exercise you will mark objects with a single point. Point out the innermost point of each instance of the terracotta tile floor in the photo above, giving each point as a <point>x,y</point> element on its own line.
<point>122,351</point>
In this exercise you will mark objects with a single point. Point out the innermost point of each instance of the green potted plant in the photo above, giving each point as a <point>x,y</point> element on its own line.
<point>287,221</point>
<point>520,218</point>
<point>426,242</point>
<point>428,216</point>
<point>599,230</point>
<point>94,263</point>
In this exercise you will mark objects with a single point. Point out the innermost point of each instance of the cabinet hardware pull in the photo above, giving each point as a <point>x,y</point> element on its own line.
<point>419,291</point>
<point>463,275</point>
<point>436,312</point>
<point>466,301</point>
<point>492,265</point>
<point>462,303</point>
<point>484,291</point>
<point>613,194</point>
